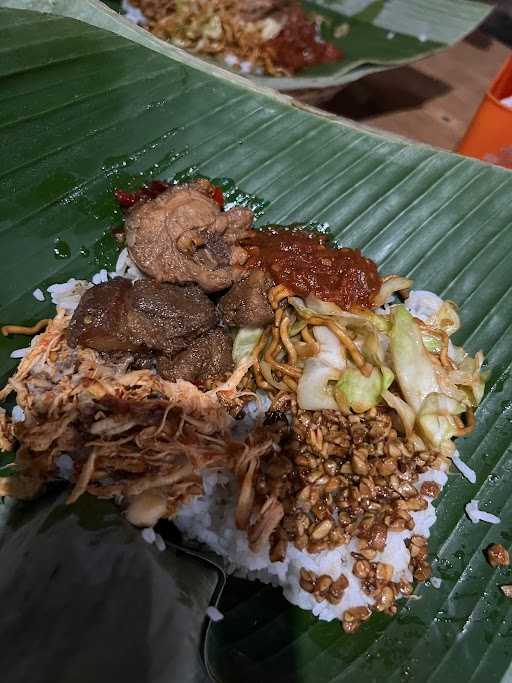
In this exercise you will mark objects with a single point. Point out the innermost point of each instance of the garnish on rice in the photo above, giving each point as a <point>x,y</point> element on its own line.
<point>277,397</point>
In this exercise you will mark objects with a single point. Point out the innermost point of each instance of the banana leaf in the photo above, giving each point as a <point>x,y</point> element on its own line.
<point>109,607</point>
<point>84,111</point>
<point>382,33</point>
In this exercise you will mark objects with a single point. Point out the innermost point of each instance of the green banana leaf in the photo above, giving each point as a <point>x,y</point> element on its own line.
<point>84,111</point>
<point>383,33</point>
<point>108,607</point>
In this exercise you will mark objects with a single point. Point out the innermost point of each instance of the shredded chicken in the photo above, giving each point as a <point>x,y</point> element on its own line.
<point>128,433</point>
<point>266,522</point>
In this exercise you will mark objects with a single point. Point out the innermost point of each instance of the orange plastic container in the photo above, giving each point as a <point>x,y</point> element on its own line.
<point>489,136</point>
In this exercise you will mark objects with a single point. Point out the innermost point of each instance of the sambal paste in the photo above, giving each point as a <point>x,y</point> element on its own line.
<point>306,264</point>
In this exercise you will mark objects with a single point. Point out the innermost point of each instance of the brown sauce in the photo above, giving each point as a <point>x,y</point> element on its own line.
<point>306,264</point>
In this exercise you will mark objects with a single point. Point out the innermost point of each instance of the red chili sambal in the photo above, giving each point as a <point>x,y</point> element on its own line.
<point>306,264</point>
<point>297,45</point>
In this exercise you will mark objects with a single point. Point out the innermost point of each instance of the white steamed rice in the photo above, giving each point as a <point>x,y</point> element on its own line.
<point>476,515</point>
<point>100,277</point>
<point>422,304</point>
<point>125,267</point>
<point>65,467</point>
<point>133,13</point>
<point>464,469</point>
<point>214,613</point>
<point>148,535</point>
<point>210,519</point>
<point>231,60</point>
<point>67,295</point>
<point>18,414</point>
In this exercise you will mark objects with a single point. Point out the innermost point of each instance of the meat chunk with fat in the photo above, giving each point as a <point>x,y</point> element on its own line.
<point>206,358</point>
<point>148,315</point>
<point>246,304</point>
<point>98,321</point>
<point>182,236</point>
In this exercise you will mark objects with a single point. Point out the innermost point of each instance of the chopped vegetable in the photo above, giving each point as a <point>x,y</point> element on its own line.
<point>314,391</point>
<point>405,412</point>
<point>413,368</point>
<point>360,393</point>
<point>245,341</point>
<point>322,307</point>
<point>389,287</point>
<point>331,352</point>
<point>436,420</point>
<point>432,342</point>
<point>423,305</point>
<point>447,318</point>
<point>470,377</point>
<point>380,321</point>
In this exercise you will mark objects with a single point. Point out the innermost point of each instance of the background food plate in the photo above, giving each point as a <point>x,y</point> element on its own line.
<point>383,33</point>
<point>84,111</point>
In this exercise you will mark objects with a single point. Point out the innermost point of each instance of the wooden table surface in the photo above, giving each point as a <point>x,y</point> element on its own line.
<point>432,101</point>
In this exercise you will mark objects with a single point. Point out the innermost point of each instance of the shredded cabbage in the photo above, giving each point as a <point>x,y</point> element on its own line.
<point>301,308</point>
<point>322,307</point>
<point>331,353</point>
<point>360,393</point>
<point>436,423</point>
<point>470,378</point>
<point>297,327</point>
<point>380,321</point>
<point>393,284</point>
<point>447,318</point>
<point>432,394</point>
<point>372,344</point>
<point>405,412</point>
<point>413,368</point>
<point>245,341</point>
<point>456,353</point>
<point>387,378</point>
<point>431,342</point>
<point>433,311</point>
<point>314,391</point>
